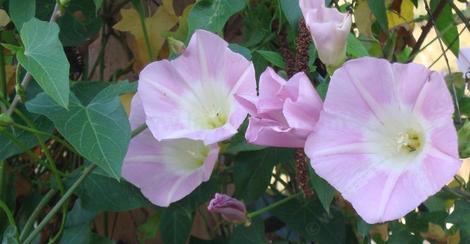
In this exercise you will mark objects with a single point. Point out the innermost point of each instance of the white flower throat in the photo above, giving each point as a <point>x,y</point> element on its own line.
<point>408,141</point>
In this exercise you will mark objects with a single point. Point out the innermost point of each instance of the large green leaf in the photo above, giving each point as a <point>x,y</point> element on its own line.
<point>253,171</point>
<point>98,130</point>
<point>21,11</point>
<point>45,59</point>
<point>447,27</point>
<point>461,218</point>
<point>100,193</point>
<point>253,234</point>
<point>292,11</point>
<point>308,218</point>
<point>212,15</point>
<point>324,191</point>
<point>274,58</point>
<point>379,10</point>
<point>175,224</point>
<point>355,48</point>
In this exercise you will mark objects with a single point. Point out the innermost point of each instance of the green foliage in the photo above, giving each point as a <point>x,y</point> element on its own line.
<point>355,49</point>
<point>99,193</point>
<point>212,14</point>
<point>308,219</point>
<point>21,11</point>
<point>175,224</point>
<point>45,59</point>
<point>379,10</point>
<point>274,58</point>
<point>252,171</point>
<point>99,130</point>
<point>461,218</point>
<point>292,12</point>
<point>446,27</point>
<point>324,191</point>
<point>252,234</point>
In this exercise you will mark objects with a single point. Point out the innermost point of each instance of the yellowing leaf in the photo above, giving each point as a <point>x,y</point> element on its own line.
<point>404,17</point>
<point>363,18</point>
<point>4,19</point>
<point>157,25</point>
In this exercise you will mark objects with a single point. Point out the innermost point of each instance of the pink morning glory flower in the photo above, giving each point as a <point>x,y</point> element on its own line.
<point>464,62</point>
<point>329,29</point>
<point>307,5</point>
<point>192,95</point>
<point>167,170</point>
<point>385,138</point>
<point>231,209</point>
<point>284,113</point>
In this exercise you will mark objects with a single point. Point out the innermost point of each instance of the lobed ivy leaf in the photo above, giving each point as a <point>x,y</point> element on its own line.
<point>212,15</point>
<point>21,11</point>
<point>98,130</point>
<point>43,56</point>
<point>175,224</point>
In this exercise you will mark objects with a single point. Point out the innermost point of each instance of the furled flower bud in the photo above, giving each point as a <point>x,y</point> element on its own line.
<point>230,208</point>
<point>329,29</point>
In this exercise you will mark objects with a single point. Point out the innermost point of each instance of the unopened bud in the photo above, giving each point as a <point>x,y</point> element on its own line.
<point>176,46</point>
<point>231,209</point>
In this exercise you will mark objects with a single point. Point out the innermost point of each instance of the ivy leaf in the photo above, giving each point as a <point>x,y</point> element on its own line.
<point>100,193</point>
<point>447,27</point>
<point>253,234</point>
<point>461,218</point>
<point>273,57</point>
<point>175,224</point>
<point>98,130</point>
<point>21,11</point>
<point>355,48</point>
<point>291,10</point>
<point>253,171</point>
<point>212,15</point>
<point>157,25</point>
<point>44,58</point>
<point>379,10</point>
<point>324,191</point>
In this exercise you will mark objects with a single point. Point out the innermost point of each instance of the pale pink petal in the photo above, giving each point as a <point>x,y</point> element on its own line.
<point>193,96</point>
<point>463,62</point>
<point>307,5</point>
<point>165,170</point>
<point>271,133</point>
<point>385,148</point>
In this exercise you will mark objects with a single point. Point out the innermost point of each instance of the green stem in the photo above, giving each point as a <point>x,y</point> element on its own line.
<point>37,210</point>
<point>138,5</point>
<point>9,215</point>
<point>59,204</point>
<point>3,78</point>
<point>272,206</point>
<point>138,130</point>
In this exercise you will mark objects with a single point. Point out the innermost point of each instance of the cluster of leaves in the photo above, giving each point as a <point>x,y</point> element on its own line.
<point>62,147</point>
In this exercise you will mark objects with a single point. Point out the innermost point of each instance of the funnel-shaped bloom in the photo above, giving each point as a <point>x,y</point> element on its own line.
<point>464,62</point>
<point>307,5</point>
<point>168,170</point>
<point>385,138</point>
<point>192,96</point>
<point>329,29</point>
<point>230,208</point>
<point>284,113</point>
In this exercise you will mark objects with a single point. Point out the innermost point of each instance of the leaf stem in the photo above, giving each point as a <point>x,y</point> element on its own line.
<point>272,206</point>
<point>9,214</point>
<point>3,78</point>
<point>59,204</point>
<point>37,210</point>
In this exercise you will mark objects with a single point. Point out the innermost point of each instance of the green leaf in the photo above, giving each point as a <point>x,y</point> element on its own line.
<point>21,11</point>
<point>274,58</point>
<point>308,218</point>
<point>252,171</point>
<point>100,193</point>
<point>447,27</point>
<point>9,235</point>
<point>292,11</point>
<point>175,224</point>
<point>149,229</point>
<point>245,52</point>
<point>324,191</point>
<point>464,140</point>
<point>461,218</point>
<point>400,234</point>
<point>80,22</point>
<point>45,59</point>
<point>355,48</point>
<point>22,140</point>
<point>322,89</point>
<point>98,4</point>
<point>239,144</point>
<point>378,9</point>
<point>212,15</point>
<point>98,130</point>
<point>253,234</point>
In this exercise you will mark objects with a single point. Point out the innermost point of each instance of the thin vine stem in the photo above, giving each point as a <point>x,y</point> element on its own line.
<point>36,211</point>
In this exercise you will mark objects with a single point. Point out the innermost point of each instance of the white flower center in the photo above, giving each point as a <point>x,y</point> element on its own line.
<point>208,105</point>
<point>184,156</point>
<point>397,140</point>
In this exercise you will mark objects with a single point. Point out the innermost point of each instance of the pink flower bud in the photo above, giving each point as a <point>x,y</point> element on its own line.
<point>230,208</point>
